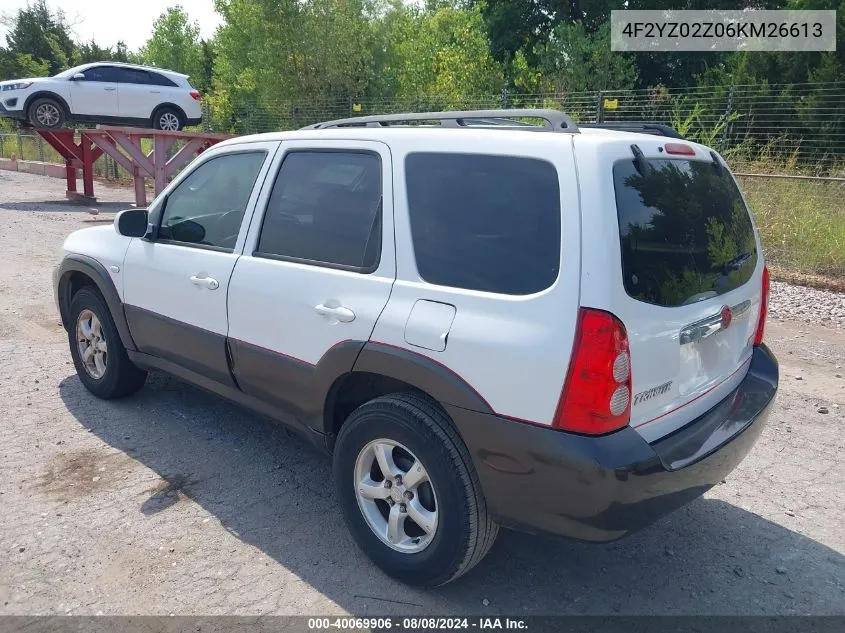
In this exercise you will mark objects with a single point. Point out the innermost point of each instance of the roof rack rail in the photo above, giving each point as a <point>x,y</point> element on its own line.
<point>554,120</point>
<point>643,127</point>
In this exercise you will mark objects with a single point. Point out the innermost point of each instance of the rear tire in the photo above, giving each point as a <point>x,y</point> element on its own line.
<point>46,113</point>
<point>98,353</point>
<point>168,119</point>
<point>417,432</point>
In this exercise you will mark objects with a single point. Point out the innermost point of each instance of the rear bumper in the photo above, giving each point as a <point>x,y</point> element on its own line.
<point>602,488</point>
<point>195,121</point>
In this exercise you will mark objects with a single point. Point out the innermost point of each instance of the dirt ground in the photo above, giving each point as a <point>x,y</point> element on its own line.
<point>175,501</point>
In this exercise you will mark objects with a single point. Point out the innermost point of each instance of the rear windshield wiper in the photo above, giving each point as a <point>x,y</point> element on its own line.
<point>716,163</point>
<point>641,162</point>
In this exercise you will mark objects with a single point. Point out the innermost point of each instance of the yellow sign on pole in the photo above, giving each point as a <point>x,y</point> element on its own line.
<point>356,107</point>
<point>611,104</point>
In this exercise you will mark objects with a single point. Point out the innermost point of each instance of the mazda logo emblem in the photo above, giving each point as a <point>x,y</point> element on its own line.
<point>727,317</point>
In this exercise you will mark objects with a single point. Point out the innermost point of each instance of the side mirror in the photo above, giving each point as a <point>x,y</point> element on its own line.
<point>77,77</point>
<point>131,223</point>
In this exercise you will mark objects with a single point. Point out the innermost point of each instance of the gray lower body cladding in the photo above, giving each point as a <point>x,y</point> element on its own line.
<point>602,488</point>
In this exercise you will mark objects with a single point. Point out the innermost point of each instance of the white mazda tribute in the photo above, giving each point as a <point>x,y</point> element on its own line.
<point>547,327</point>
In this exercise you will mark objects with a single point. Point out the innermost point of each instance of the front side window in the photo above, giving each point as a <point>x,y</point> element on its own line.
<point>101,73</point>
<point>325,208</point>
<point>484,222</point>
<point>207,207</point>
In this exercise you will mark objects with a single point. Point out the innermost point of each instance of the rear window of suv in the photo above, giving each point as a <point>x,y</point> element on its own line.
<point>685,231</point>
<point>484,222</point>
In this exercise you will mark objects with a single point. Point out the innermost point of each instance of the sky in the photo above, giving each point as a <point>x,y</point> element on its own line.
<point>127,20</point>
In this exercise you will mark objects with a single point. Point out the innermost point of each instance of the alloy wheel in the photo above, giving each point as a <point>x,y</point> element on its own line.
<point>396,496</point>
<point>47,114</point>
<point>168,121</point>
<point>91,342</point>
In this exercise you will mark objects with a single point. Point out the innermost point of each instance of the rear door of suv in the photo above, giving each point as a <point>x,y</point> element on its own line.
<point>316,271</point>
<point>682,269</point>
<point>139,93</point>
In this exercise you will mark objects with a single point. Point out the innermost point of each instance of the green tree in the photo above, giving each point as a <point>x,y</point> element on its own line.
<point>271,54</point>
<point>574,60</point>
<point>444,54</point>
<point>87,52</point>
<point>175,44</point>
<point>38,42</point>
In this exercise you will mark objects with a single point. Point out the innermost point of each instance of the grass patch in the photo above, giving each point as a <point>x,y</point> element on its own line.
<point>801,223</point>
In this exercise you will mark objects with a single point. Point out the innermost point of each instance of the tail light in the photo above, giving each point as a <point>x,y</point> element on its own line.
<point>596,396</point>
<point>764,308</point>
<point>196,95</point>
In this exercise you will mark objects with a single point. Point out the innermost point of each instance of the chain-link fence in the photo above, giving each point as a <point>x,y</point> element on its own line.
<point>801,220</point>
<point>785,143</point>
<point>800,123</point>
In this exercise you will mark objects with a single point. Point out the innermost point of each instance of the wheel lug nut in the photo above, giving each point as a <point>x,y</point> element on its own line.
<point>390,502</point>
<point>403,507</point>
<point>409,495</point>
<point>398,480</point>
<point>388,483</point>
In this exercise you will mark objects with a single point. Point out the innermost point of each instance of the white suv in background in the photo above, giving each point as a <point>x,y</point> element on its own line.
<point>556,329</point>
<point>104,93</point>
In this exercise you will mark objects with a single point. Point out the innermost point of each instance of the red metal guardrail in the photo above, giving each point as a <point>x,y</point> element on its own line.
<point>123,144</point>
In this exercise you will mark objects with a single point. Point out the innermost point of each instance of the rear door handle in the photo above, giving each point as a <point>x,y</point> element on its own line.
<point>109,89</point>
<point>207,282</point>
<point>339,313</point>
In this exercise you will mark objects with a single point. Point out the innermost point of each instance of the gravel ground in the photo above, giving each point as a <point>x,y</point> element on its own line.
<point>174,501</point>
<point>807,305</point>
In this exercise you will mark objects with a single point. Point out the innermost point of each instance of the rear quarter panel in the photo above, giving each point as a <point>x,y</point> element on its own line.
<point>512,350</point>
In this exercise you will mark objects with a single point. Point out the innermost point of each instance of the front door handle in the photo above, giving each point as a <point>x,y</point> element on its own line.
<point>336,313</point>
<point>109,89</point>
<point>206,282</point>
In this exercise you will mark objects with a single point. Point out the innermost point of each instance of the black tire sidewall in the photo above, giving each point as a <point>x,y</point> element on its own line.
<point>158,114</point>
<point>34,106</point>
<point>438,561</point>
<point>109,384</point>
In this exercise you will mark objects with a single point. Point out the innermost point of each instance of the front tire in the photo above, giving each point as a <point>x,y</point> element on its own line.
<point>168,119</point>
<point>408,491</point>
<point>46,113</point>
<point>98,353</point>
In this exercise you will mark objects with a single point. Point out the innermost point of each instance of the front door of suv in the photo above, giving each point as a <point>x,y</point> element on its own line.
<point>175,284</point>
<point>315,273</point>
<point>96,93</point>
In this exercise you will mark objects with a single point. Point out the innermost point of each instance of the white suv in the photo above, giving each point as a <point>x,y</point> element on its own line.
<point>548,328</point>
<point>104,93</point>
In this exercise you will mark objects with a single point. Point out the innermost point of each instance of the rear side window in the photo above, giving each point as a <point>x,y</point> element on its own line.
<point>484,222</point>
<point>325,209</point>
<point>684,229</point>
<point>132,76</point>
<point>160,80</point>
